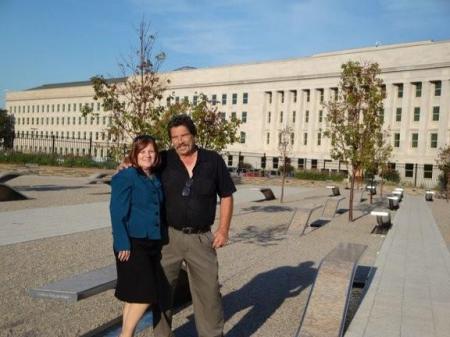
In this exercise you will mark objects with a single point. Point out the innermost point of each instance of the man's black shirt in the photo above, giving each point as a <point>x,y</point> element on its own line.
<point>196,205</point>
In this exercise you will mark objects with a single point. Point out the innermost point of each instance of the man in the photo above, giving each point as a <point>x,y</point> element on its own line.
<point>192,178</point>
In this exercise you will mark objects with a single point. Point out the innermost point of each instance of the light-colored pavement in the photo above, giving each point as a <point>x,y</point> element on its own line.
<point>410,292</point>
<point>266,274</point>
<point>38,223</point>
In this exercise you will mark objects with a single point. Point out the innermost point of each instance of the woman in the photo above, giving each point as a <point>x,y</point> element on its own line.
<point>135,208</point>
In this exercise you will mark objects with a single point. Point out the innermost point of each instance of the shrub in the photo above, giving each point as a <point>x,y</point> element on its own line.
<point>442,182</point>
<point>48,159</point>
<point>317,175</point>
<point>289,169</point>
<point>392,175</point>
<point>246,166</point>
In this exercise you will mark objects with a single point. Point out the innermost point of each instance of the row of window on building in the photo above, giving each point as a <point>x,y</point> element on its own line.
<point>294,116</point>
<point>291,139</point>
<point>437,89</point>
<point>398,115</point>
<point>215,99</point>
<point>63,107</point>
<point>97,120</point>
<point>74,107</point>
<point>415,140</point>
<point>306,92</point>
<point>417,113</point>
<point>76,151</point>
<point>74,135</point>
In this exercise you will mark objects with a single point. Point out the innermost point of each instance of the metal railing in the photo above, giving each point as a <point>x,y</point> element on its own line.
<point>97,150</point>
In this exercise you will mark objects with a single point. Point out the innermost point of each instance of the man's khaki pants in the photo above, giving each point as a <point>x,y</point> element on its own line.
<point>201,260</point>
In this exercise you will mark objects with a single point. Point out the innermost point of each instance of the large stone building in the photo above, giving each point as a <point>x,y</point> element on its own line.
<point>267,96</point>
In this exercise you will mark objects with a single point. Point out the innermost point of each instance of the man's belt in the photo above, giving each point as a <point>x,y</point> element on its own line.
<point>193,230</point>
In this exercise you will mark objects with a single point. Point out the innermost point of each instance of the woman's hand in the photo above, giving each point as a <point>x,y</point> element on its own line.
<point>123,255</point>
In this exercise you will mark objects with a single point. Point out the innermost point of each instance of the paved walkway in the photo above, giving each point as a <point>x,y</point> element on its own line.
<point>410,292</point>
<point>38,223</point>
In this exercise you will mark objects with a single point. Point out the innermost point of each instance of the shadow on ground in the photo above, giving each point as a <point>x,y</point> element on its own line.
<point>262,237</point>
<point>261,297</point>
<point>43,188</point>
<point>268,209</point>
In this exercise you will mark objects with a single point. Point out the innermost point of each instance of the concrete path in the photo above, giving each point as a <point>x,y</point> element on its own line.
<point>410,292</point>
<point>38,223</point>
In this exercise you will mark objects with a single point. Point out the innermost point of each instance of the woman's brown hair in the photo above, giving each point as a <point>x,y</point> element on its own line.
<point>140,143</point>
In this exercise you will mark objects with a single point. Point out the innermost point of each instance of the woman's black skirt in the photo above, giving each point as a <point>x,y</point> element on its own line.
<point>137,278</point>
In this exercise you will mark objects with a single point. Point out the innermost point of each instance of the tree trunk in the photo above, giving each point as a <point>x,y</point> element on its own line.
<point>350,203</point>
<point>282,180</point>
<point>381,187</point>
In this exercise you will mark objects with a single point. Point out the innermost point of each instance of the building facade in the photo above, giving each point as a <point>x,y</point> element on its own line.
<point>267,97</point>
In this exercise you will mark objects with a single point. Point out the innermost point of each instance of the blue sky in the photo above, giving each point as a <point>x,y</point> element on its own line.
<point>52,41</point>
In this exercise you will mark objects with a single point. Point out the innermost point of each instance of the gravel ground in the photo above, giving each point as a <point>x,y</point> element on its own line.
<point>441,213</point>
<point>266,275</point>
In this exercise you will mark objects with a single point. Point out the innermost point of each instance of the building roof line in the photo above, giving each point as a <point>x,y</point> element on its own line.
<point>319,55</point>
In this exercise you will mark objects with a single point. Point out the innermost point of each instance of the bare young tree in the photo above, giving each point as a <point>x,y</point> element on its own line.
<point>133,100</point>
<point>135,107</point>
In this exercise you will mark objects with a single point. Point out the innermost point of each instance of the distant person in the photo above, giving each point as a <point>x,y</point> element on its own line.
<point>135,208</point>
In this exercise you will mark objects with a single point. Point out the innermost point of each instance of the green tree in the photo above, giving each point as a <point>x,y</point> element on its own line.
<point>443,163</point>
<point>133,101</point>
<point>355,122</point>
<point>382,154</point>
<point>214,132</point>
<point>6,129</point>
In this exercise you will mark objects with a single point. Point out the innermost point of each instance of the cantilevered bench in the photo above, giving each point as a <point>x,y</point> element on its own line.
<point>334,190</point>
<point>300,219</point>
<point>372,189</point>
<point>393,202</point>
<point>96,178</point>
<point>327,304</point>
<point>84,285</point>
<point>268,193</point>
<point>429,195</point>
<point>383,219</point>
<point>6,176</point>
<point>328,212</point>
<point>8,193</point>
<point>398,192</point>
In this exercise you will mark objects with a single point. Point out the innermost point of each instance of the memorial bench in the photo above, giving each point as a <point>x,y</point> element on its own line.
<point>383,220</point>
<point>6,176</point>
<point>328,300</point>
<point>329,210</point>
<point>393,202</point>
<point>334,190</point>
<point>7,193</point>
<point>398,192</point>
<point>300,219</point>
<point>268,193</point>
<point>96,178</point>
<point>87,284</point>
<point>429,195</point>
